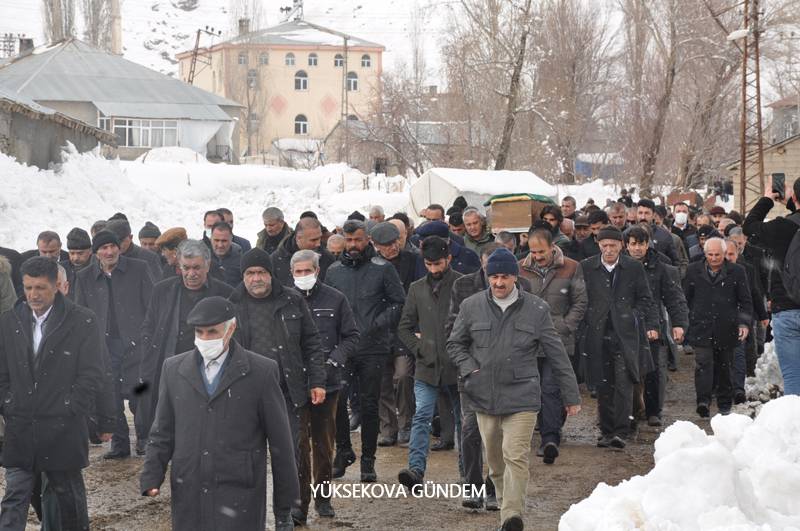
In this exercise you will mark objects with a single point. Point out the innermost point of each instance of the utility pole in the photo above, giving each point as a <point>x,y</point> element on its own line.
<point>116,28</point>
<point>196,51</point>
<point>751,144</point>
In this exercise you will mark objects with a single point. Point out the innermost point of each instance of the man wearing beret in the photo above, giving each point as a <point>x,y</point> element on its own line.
<point>620,314</point>
<point>422,329</point>
<point>122,229</point>
<point>117,289</point>
<point>495,343</point>
<point>219,409</point>
<point>274,321</point>
<point>397,386</point>
<point>167,245</point>
<point>165,330</point>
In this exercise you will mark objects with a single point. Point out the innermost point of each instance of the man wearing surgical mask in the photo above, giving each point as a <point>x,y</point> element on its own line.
<point>274,321</point>
<point>339,336</point>
<point>683,226</point>
<point>219,411</point>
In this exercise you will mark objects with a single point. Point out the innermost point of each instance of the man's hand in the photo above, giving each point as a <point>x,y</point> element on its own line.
<point>573,410</point>
<point>677,334</point>
<point>153,493</point>
<point>743,332</point>
<point>317,395</point>
<point>105,437</point>
<point>652,335</point>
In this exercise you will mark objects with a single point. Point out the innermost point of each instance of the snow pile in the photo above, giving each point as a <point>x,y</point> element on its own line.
<point>766,385</point>
<point>172,154</point>
<point>87,187</point>
<point>744,477</point>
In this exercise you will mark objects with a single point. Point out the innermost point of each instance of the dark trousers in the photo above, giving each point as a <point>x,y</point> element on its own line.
<point>471,453</point>
<point>655,382</point>
<point>295,414</point>
<point>397,395</point>
<point>367,372</point>
<point>342,417</point>
<point>317,435</point>
<point>120,439</point>
<point>65,486</point>
<point>447,422</point>
<point>552,415</point>
<point>615,391</point>
<point>713,365</point>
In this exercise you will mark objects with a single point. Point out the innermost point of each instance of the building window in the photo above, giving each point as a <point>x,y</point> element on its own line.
<point>352,81</point>
<point>243,58</point>
<point>103,122</point>
<point>252,78</point>
<point>290,59</point>
<point>146,133</point>
<point>366,61</point>
<point>312,59</point>
<point>263,59</point>
<point>301,80</point>
<point>300,125</point>
<point>338,60</point>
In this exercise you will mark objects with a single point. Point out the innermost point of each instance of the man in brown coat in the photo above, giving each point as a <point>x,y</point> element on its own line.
<point>558,280</point>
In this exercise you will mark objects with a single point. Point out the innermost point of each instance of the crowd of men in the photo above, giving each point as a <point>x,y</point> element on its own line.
<point>223,352</point>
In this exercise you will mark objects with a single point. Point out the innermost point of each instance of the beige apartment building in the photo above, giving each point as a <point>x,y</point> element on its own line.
<point>295,81</point>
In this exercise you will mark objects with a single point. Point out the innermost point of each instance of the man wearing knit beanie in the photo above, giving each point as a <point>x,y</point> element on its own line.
<point>148,235</point>
<point>79,246</point>
<point>494,344</point>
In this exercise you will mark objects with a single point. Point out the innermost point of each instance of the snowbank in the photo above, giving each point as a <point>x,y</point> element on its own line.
<point>744,477</point>
<point>172,154</point>
<point>87,188</point>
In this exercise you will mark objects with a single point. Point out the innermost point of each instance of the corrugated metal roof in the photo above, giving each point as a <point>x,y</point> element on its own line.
<point>187,111</point>
<point>300,33</point>
<point>75,71</point>
<point>22,100</point>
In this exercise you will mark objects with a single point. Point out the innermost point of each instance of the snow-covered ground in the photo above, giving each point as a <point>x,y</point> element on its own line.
<point>744,477</point>
<point>88,188</point>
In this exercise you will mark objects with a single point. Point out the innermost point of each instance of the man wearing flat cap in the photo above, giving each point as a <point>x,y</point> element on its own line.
<point>397,385</point>
<point>167,244</point>
<point>117,289</point>
<point>465,260</point>
<point>219,409</point>
<point>122,229</point>
<point>425,311</point>
<point>620,313</point>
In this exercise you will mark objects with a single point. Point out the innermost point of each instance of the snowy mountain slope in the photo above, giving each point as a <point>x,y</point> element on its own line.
<point>155,30</point>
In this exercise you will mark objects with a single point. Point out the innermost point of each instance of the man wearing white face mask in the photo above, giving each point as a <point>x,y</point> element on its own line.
<point>683,226</point>
<point>219,408</point>
<point>275,321</point>
<point>339,336</point>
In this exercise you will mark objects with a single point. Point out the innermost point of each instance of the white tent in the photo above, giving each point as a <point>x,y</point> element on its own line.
<point>443,185</point>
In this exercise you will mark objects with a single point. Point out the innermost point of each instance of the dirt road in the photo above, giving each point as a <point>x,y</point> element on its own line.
<point>115,503</point>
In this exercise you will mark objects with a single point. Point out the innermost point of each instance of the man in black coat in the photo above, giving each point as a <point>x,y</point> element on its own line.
<point>376,295</point>
<point>50,371</point>
<point>720,314</point>
<point>338,336</point>
<point>589,247</point>
<point>122,229</point>
<point>275,322</point>
<point>307,235</point>
<point>79,246</point>
<point>117,289</point>
<point>227,217</point>
<point>465,260</point>
<point>165,331</point>
<point>219,409</point>
<point>48,244</point>
<point>661,238</point>
<point>226,254</point>
<point>665,285</point>
<point>397,388</point>
<point>621,310</point>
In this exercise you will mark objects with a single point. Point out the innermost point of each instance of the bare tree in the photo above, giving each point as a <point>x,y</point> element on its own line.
<point>97,22</point>
<point>59,19</point>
